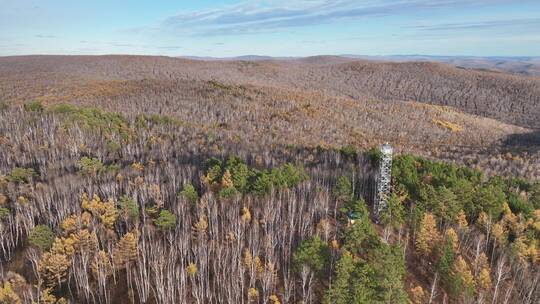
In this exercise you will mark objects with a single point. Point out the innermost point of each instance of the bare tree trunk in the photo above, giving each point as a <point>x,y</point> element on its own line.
<point>433,293</point>
<point>500,274</point>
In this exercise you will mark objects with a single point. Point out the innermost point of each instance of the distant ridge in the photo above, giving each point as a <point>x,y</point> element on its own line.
<point>510,98</point>
<point>522,65</point>
<point>238,58</point>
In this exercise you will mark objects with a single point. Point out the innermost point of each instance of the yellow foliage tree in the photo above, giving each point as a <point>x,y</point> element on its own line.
<point>462,268</point>
<point>521,249</point>
<point>334,244</point>
<point>274,299</point>
<point>201,225</point>
<point>101,265</point>
<point>81,240</point>
<point>484,279</point>
<point>536,222</point>
<point>271,268</point>
<point>8,295</point>
<point>106,212</point>
<point>248,259</point>
<point>253,294</point>
<point>246,215</point>
<point>156,195</point>
<point>64,246</point>
<point>191,269</point>
<point>84,240</point>
<point>53,268</point>
<point>226,180</point>
<point>498,233</point>
<point>259,266</point>
<point>453,237</point>
<point>138,181</point>
<point>463,224</point>
<point>137,166</point>
<point>513,223</point>
<point>323,227</point>
<point>70,224</point>
<point>506,209</point>
<point>418,295</point>
<point>534,252</point>
<point>48,298</point>
<point>125,250</point>
<point>482,261</point>
<point>483,221</point>
<point>428,235</point>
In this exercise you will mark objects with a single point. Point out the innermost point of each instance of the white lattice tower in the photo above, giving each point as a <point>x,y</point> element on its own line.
<point>384,180</point>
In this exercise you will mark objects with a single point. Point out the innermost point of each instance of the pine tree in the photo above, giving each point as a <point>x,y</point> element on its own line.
<point>313,253</point>
<point>364,285</point>
<point>239,172</point>
<point>445,265</point>
<point>343,189</point>
<point>190,193</point>
<point>390,270</point>
<point>166,220</point>
<point>339,292</point>
<point>394,214</point>
<point>42,237</point>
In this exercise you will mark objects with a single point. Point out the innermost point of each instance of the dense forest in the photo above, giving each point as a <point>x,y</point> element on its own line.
<point>427,109</point>
<point>102,206</point>
<point>509,98</point>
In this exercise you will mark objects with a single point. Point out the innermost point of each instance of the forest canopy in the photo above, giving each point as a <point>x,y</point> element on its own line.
<point>97,206</point>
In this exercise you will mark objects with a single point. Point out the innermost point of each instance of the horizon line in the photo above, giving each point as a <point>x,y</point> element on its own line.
<point>272,56</point>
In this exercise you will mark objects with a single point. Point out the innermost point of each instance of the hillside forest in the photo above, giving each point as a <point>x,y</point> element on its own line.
<point>101,207</point>
<point>140,179</point>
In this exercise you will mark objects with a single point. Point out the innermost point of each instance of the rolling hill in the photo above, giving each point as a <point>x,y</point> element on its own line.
<point>432,108</point>
<point>156,180</point>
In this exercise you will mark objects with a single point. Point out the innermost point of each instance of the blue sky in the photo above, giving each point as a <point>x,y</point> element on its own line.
<point>277,28</point>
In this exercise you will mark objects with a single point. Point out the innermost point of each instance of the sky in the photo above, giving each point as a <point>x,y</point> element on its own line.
<point>226,28</point>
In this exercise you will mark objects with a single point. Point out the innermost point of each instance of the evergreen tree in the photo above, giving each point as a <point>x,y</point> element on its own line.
<point>166,220</point>
<point>445,265</point>
<point>190,193</point>
<point>361,237</point>
<point>394,214</point>
<point>339,293</point>
<point>363,285</point>
<point>42,237</point>
<point>343,190</point>
<point>313,253</point>
<point>239,171</point>
<point>390,270</point>
<point>490,199</point>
